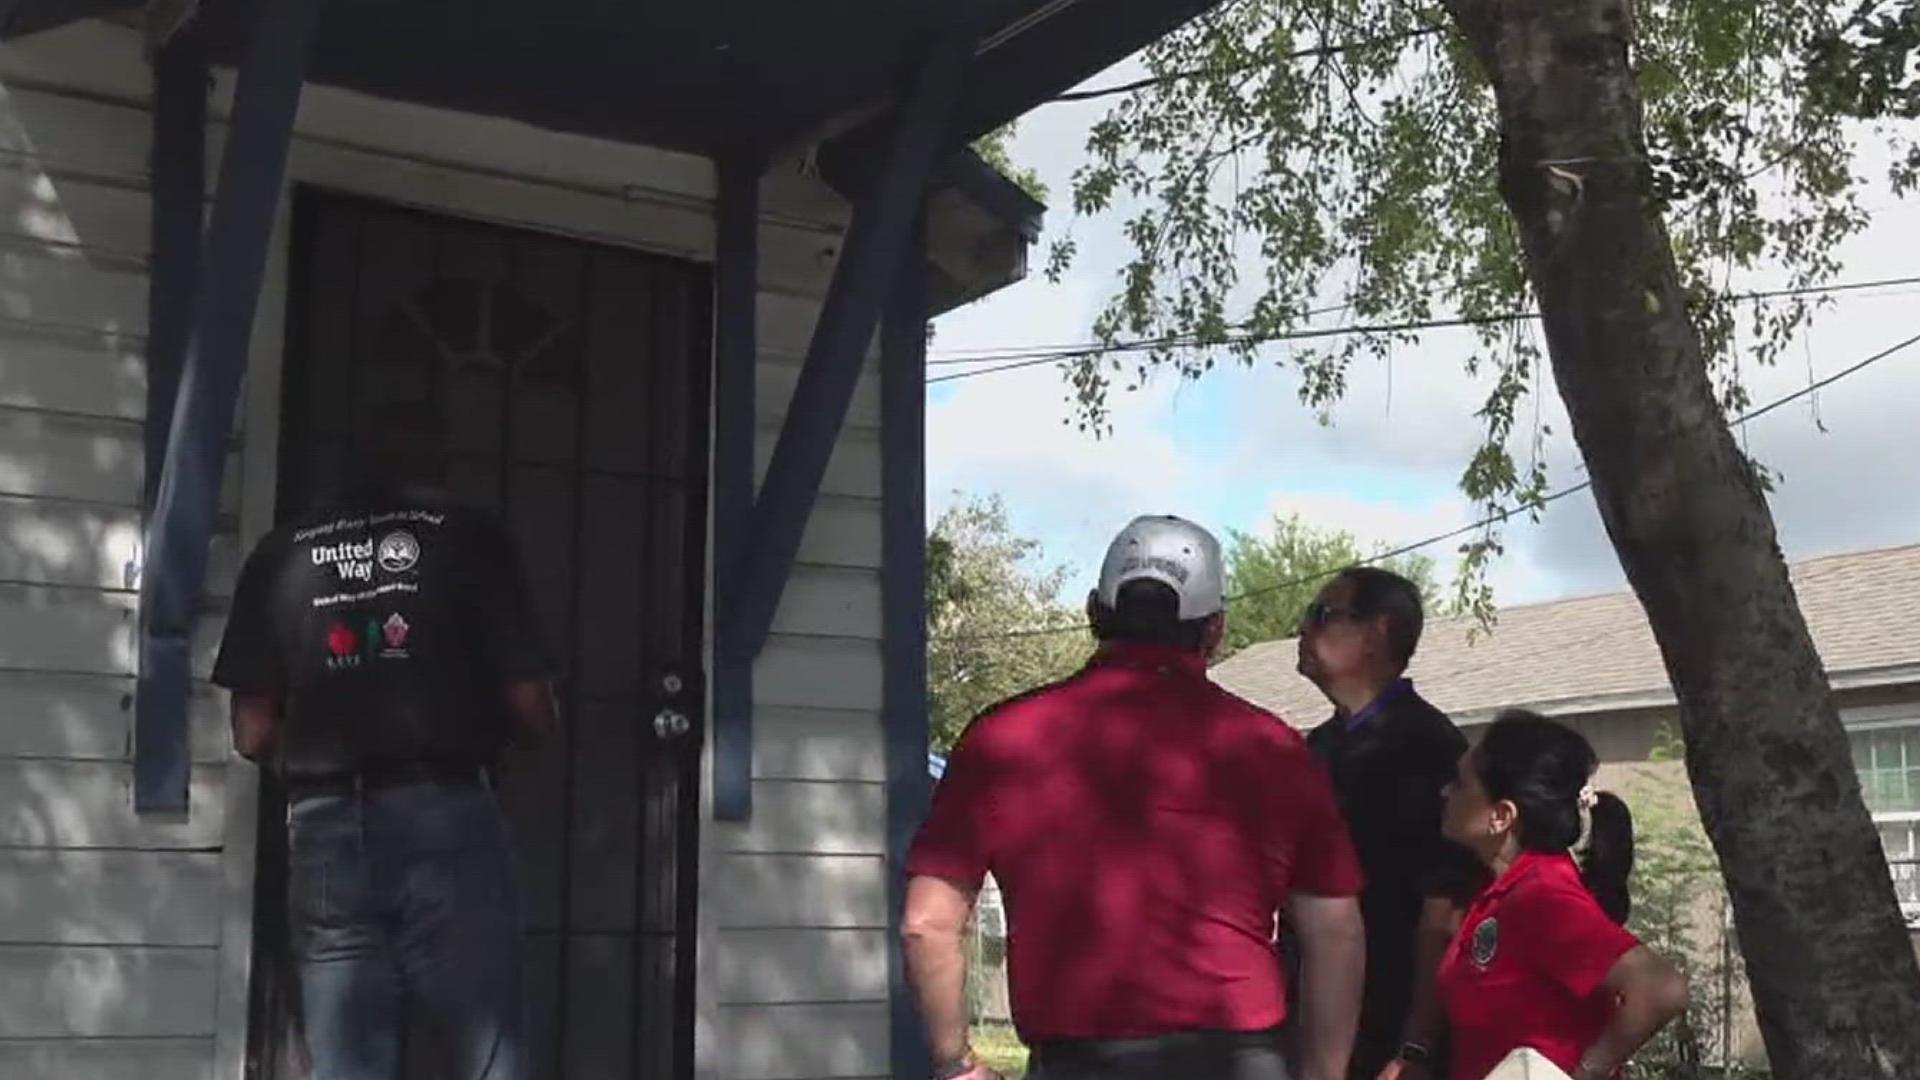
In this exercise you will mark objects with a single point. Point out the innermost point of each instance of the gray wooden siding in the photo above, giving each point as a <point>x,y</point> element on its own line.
<point>798,894</point>
<point>110,924</point>
<point>114,952</point>
<point>105,1059</point>
<point>144,991</point>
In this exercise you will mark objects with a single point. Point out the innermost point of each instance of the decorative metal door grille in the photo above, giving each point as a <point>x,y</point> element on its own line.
<point>573,378</point>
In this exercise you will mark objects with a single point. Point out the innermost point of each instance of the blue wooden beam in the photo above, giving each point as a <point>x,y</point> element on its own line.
<point>875,248</point>
<point>736,292</point>
<point>179,192</point>
<point>903,597</point>
<point>252,172</point>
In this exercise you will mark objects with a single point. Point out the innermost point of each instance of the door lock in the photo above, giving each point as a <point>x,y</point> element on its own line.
<point>671,724</point>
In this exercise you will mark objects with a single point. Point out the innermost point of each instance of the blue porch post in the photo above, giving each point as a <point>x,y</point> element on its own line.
<point>179,191</point>
<point>875,249</point>
<point>903,589</point>
<point>252,171</point>
<point>736,289</point>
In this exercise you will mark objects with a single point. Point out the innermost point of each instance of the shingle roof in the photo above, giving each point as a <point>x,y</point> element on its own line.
<point>1596,652</point>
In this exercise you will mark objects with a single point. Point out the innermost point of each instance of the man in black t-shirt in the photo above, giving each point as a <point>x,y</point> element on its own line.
<point>1390,754</point>
<point>382,657</point>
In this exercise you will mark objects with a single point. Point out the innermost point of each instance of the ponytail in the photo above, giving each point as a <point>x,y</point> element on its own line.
<point>1608,862</point>
<point>1544,768</point>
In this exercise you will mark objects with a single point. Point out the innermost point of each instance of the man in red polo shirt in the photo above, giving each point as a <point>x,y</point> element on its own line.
<point>1145,828</point>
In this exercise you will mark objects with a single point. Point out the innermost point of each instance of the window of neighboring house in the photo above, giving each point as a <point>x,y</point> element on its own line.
<point>1887,757</point>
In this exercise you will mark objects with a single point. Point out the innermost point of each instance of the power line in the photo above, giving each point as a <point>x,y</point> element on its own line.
<point>1490,519</point>
<point>987,353</point>
<point>1013,358</point>
<point>1038,358</point>
<point>1200,73</point>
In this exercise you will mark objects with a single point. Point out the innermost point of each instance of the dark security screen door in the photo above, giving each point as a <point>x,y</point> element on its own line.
<point>573,378</point>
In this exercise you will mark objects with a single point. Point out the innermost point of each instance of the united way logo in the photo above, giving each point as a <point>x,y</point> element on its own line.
<point>398,552</point>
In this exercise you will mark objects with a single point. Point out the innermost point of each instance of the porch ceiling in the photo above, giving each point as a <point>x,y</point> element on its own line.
<point>702,76</point>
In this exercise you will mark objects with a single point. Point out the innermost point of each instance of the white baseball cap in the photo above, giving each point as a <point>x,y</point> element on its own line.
<point>1173,551</point>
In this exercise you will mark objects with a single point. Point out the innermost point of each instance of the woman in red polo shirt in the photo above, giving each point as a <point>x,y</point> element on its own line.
<point>1542,959</point>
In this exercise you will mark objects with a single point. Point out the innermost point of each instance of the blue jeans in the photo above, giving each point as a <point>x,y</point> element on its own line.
<point>398,897</point>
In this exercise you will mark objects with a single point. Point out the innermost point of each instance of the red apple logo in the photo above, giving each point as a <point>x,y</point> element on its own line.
<point>342,641</point>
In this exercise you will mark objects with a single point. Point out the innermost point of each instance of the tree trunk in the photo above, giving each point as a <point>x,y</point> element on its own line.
<point>1832,970</point>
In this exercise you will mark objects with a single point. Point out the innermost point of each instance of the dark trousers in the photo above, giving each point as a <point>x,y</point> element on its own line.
<point>1198,1055</point>
<point>405,896</point>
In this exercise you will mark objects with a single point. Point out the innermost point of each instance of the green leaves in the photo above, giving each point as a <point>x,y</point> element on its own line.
<point>1275,576</point>
<point>981,584</point>
<point>1679,906</point>
<point>992,148</point>
<point>1347,151</point>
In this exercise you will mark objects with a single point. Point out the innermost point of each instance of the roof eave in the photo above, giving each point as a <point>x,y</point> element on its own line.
<point>1663,697</point>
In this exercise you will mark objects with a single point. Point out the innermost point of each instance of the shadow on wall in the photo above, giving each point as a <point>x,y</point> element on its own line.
<point>110,921</point>
<point>806,928</point>
<point>73,316</point>
<point>104,939</point>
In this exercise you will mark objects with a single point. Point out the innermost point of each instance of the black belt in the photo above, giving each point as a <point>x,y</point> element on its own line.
<point>1064,1053</point>
<point>386,774</point>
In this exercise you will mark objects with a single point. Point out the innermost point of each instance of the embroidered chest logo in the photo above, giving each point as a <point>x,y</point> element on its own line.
<point>343,648</point>
<point>393,634</point>
<point>399,552</point>
<point>1486,943</point>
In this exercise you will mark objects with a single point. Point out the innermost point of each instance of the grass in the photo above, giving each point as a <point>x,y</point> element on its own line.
<point>999,1048</point>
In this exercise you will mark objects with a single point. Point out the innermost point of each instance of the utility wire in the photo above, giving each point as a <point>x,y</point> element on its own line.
<point>1008,358</point>
<point>1201,73</point>
<point>1491,519</point>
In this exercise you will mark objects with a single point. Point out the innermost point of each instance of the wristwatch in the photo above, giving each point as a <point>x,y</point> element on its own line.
<point>958,1067</point>
<point>1416,1053</point>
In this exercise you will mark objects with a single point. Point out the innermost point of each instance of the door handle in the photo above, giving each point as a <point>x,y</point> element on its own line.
<point>671,724</point>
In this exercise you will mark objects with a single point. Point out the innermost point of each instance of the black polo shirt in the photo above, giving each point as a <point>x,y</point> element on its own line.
<point>1389,764</point>
<point>389,629</point>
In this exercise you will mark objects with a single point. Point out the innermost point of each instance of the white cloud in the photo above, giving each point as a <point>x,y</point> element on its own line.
<point>1011,434</point>
<point>1374,523</point>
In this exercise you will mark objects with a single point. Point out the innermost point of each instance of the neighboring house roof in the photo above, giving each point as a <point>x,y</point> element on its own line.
<point>1596,653</point>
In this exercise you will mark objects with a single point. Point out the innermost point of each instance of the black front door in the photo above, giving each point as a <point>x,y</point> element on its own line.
<point>573,378</point>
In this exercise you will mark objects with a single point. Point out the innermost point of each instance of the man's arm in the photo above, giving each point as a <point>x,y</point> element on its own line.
<point>1333,963</point>
<point>255,719</point>
<point>536,717</point>
<point>950,857</point>
<point>250,665</point>
<point>1446,875</point>
<point>514,649</point>
<point>932,936</point>
<point>1439,921</point>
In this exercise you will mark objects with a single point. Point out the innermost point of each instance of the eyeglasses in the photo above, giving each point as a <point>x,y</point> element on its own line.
<point>1320,615</point>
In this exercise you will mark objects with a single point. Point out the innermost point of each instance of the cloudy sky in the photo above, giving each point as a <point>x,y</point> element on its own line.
<point>1235,447</point>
